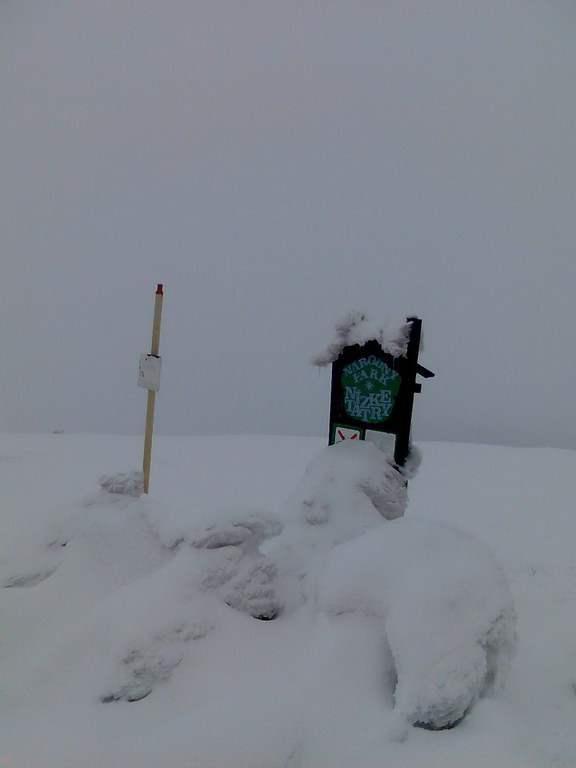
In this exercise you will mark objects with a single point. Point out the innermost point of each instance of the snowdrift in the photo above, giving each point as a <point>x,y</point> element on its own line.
<point>252,613</point>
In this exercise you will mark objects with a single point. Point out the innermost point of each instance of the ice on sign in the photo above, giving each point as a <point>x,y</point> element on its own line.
<point>149,372</point>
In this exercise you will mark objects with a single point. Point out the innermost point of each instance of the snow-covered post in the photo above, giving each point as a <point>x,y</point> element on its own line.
<point>149,378</point>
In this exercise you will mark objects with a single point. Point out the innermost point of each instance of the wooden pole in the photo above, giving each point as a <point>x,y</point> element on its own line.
<point>151,393</point>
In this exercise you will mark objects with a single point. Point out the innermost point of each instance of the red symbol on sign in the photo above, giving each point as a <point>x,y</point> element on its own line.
<point>342,436</point>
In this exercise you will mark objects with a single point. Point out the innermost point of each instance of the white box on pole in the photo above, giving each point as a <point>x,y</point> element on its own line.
<point>149,372</point>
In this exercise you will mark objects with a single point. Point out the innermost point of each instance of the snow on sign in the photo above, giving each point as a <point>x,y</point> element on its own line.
<point>149,372</point>
<point>345,433</point>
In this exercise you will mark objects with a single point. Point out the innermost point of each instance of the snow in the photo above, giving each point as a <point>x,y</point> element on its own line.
<point>128,634</point>
<point>445,609</point>
<point>356,328</point>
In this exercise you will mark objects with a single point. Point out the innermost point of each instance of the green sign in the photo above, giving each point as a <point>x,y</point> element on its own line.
<point>369,389</point>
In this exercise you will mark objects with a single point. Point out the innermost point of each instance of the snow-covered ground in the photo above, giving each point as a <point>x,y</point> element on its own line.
<point>128,636</point>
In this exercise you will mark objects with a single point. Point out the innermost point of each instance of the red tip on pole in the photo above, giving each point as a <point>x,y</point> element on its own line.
<point>160,289</point>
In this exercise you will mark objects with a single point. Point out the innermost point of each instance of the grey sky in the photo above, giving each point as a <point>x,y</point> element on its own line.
<point>277,164</point>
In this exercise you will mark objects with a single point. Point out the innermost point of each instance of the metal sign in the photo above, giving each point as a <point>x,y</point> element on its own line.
<point>373,392</point>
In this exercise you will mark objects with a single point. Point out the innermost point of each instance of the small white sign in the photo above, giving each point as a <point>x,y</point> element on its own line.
<point>149,372</point>
<point>345,433</point>
<point>383,440</point>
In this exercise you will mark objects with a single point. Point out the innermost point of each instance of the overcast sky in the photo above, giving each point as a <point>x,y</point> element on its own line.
<point>276,163</point>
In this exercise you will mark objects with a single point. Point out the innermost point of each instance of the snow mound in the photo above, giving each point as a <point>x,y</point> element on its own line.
<point>128,483</point>
<point>347,488</point>
<point>438,595</point>
<point>444,607</point>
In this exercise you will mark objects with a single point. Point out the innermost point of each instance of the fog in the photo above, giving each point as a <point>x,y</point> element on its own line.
<point>276,164</point>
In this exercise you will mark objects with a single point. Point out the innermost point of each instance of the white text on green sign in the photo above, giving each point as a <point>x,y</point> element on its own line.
<point>369,389</point>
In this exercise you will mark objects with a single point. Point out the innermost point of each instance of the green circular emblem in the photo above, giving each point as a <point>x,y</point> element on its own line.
<point>369,389</point>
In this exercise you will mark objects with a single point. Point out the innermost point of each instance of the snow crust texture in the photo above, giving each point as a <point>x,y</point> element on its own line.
<point>320,630</point>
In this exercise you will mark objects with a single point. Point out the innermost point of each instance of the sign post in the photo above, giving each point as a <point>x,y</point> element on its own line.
<point>373,393</point>
<point>149,378</point>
